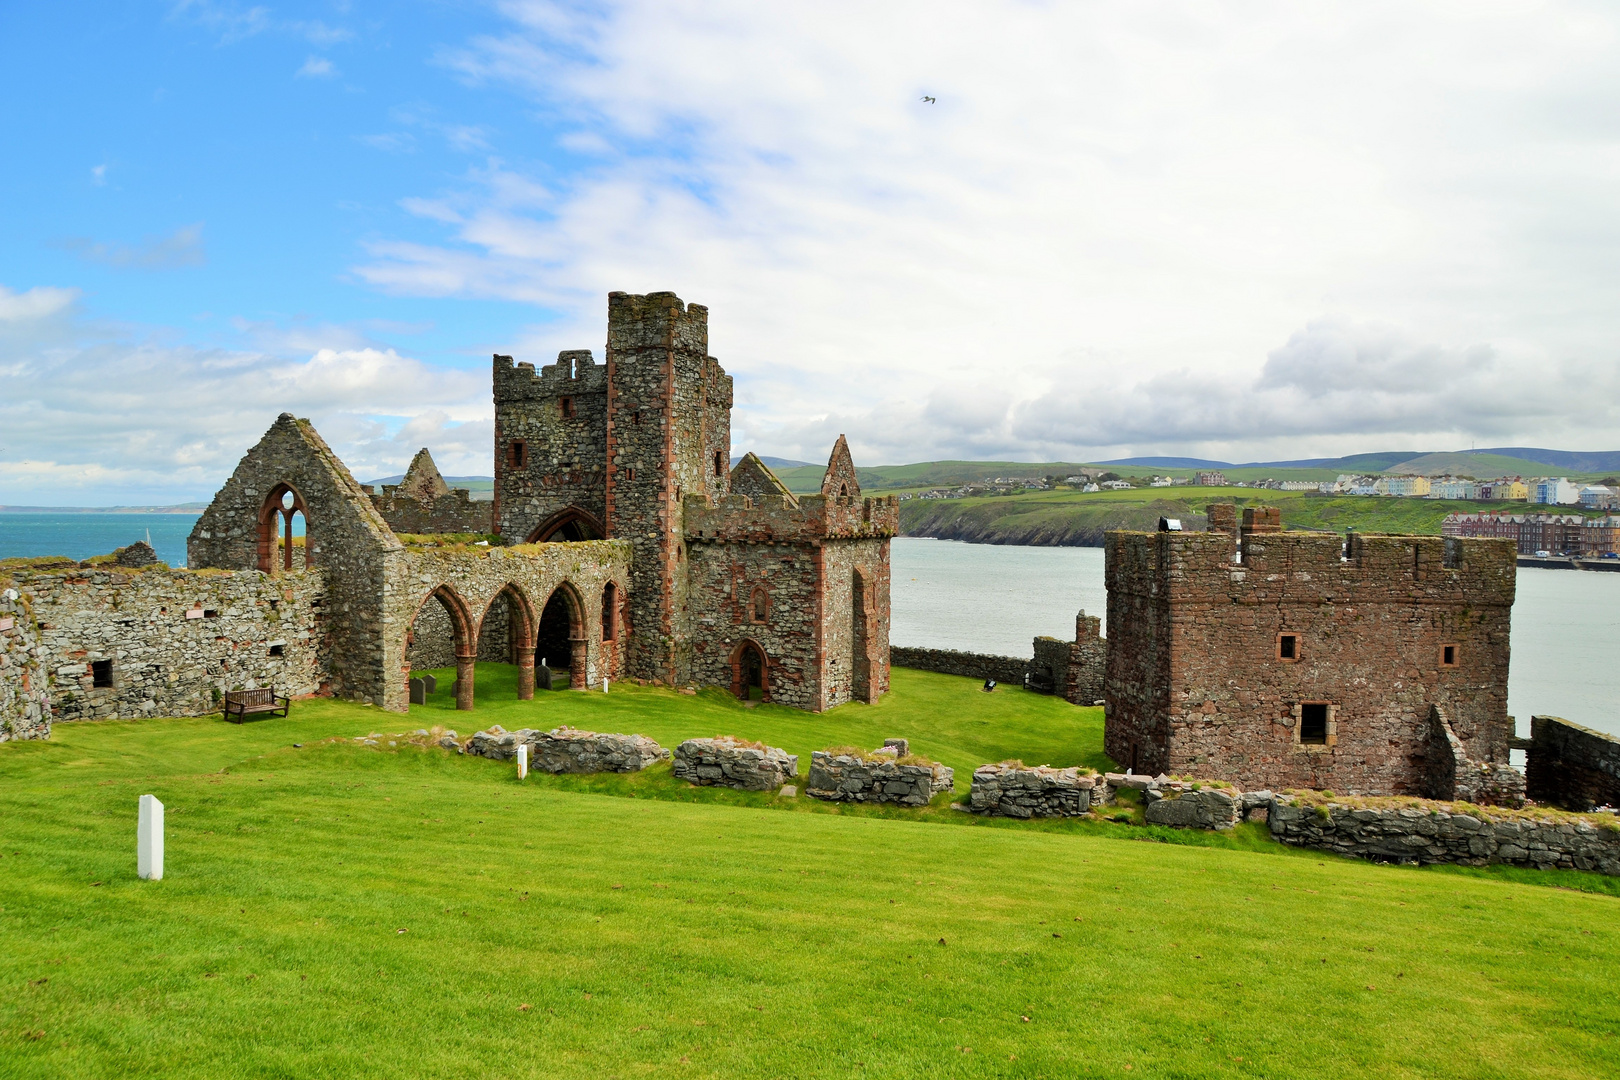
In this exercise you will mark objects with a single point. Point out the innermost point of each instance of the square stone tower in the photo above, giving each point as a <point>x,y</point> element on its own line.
<point>668,436</point>
<point>551,449</point>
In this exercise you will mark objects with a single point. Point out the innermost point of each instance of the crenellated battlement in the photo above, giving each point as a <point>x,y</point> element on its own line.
<point>784,519</point>
<point>575,372</point>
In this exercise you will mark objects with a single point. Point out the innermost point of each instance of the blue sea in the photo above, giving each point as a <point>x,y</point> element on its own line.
<point>79,536</point>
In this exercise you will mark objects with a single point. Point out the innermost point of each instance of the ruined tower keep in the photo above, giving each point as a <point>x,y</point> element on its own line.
<point>635,449</point>
<point>1370,665</point>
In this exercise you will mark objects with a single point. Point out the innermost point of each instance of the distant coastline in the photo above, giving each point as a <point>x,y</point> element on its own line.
<point>182,508</point>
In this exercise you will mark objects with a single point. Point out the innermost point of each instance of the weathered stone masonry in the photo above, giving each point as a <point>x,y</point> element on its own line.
<point>1572,766</point>
<point>25,702</point>
<point>1280,660</point>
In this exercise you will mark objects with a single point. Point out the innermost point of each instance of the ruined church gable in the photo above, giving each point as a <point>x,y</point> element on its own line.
<point>422,480</point>
<point>752,477</point>
<point>840,480</point>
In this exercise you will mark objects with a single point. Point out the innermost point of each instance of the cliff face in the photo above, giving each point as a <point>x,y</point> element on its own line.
<point>1012,520</point>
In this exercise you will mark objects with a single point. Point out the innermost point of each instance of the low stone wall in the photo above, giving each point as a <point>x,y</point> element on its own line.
<point>1572,766</point>
<point>1012,789</point>
<point>25,701</point>
<point>568,750</point>
<point>1003,669</point>
<point>875,778</point>
<point>1445,833</point>
<point>1189,808</point>
<point>729,762</point>
<point>162,642</point>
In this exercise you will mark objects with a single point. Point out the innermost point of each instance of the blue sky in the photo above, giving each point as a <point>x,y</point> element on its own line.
<point>1236,231</point>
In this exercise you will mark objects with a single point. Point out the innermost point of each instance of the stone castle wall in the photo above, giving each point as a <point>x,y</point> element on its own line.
<point>452,513</point>
<point>175,640</point>
<point>1196,682</point>
<point>564,456</point>
<point>1448,834</point>
<point>1572,766</point>
<point>25,702</point>
<point>724,579</point>
<point>1004,669</point>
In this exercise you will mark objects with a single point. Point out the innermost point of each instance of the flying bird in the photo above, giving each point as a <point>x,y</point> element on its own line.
<point>928,99</point>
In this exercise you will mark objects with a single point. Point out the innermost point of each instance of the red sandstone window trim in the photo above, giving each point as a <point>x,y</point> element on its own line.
<point>517,454</point>
<point>1450,654</point>
<point>1289,647</point>
<point>759,605</point>
<point>1330,725</point>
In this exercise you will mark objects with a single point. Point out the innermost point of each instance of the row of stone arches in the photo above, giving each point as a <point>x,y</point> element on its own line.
<point>511,628</point>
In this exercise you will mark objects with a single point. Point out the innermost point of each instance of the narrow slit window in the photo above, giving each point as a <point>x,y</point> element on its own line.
<point>629,474</point>
<point>1448,656</point>
<point>101,673</point>
<point>1313,723</point>
<point>566,407</point>
<point>760,606</point>
<point>610,609</point>
<point>1288,646</point>
<point>719,463</point>
<point>517,454</point>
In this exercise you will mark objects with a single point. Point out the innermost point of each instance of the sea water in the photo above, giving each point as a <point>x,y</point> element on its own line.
<point>995,598</point>
<point>79,536</point>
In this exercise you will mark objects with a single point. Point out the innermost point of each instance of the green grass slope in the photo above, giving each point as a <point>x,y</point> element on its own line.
<point>1079,519</point>
<point>336,910</point>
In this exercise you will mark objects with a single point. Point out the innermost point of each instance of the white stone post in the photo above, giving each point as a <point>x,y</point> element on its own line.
<point>604,684</point>
<point>523,761</point>
<point>149,839</point>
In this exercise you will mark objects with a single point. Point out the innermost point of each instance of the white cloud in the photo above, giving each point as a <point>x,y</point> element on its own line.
<point>183,247</point>
<point>1124,208</point>
<point>316,67</point>
<point>98,175</point>
<point>101,415</point>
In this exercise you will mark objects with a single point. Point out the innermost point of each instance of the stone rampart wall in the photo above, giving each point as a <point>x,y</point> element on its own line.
<point>847,778</point>
<point>25,703</point>
<point>728,762</point>
<point>452,513</point>
<point>1572,766</point>
<point>175,640</point>
<point>1003,669</point>
<point>1012,790</point>
<point>568,750</point>
<point>1444,833</point>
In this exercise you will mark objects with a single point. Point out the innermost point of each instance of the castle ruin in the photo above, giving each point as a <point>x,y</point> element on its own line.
<point>620,544</point>
<point>1373,665</point>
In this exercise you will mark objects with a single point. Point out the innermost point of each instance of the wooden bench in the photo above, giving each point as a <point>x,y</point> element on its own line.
<point>240,703</point>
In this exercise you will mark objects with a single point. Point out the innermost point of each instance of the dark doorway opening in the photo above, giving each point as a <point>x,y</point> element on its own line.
<point>861,667</point>
<point>1313,721</point>
<point>749,673</point>
<point>552,645</point>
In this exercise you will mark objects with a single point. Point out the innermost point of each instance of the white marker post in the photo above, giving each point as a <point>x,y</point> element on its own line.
<point>604,684</point>
<point>523,761</point>
<point>149,839</point>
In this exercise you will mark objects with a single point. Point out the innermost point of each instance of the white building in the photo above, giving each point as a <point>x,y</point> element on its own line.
<point>1453,488</point>
<point>1557,491</point>
<point>1598,497</point>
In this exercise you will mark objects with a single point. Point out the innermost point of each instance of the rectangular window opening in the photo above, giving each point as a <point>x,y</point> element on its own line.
<point>566,407</point>
<point>517,454</point>
<point>1448,656</point>
<point>210,613</point>
<point>278,650</point>
<point>1313,720</point>
<point>101,673</point>
<point>1288,646</point>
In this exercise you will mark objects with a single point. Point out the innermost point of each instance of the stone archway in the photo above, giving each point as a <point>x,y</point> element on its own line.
<point>561,633</point>
<point>511,616</point>
<point>277,547</point>
<point>464,641</point>
<point>569,523</point>
<point>750,669</point>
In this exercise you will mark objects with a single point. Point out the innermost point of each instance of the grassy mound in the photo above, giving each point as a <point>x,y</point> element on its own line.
<point>343,910</point>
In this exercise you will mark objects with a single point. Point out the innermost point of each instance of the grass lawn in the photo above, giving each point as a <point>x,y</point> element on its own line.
<point>339,910</point>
